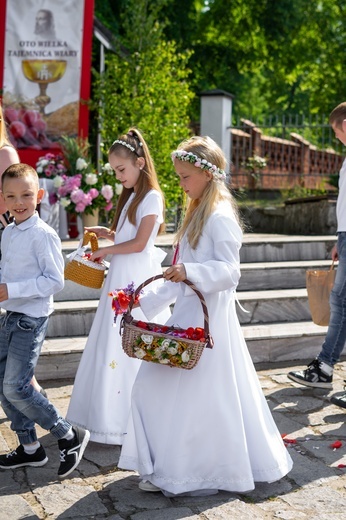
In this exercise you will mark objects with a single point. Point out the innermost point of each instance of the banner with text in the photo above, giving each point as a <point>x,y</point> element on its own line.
<point>43,69</point>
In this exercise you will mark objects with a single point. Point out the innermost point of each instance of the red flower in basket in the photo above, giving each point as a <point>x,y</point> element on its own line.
<point>121,299</point>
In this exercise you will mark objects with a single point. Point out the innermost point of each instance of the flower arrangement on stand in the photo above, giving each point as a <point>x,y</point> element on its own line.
<point>254,165</point>
<point>83,190</point>
<point>48,167</point>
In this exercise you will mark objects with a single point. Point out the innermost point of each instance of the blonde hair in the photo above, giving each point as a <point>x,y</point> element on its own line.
<point>132,146</point>
<point>197,211</point>
<point>338,115</point>
<point>4,139</point>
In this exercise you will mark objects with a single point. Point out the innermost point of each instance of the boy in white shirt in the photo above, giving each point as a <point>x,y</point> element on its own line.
<point>319,373</point>
<point>32,270</point>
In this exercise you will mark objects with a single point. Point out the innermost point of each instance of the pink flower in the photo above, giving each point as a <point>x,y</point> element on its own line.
<point>80,207</point>
<point>93,193</point>
<point>109,206</point>
<point>107,192</point>
<point>70,184</point>
<point>77,196</point>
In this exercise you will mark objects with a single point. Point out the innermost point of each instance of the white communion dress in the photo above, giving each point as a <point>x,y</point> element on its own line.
<point>206,429</point>
<point>101,394</point>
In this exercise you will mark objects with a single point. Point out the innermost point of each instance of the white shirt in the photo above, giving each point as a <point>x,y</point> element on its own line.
<point>32,266</point>
<point>341,202</point>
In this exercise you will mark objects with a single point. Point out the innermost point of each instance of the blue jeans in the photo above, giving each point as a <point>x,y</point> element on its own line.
<point>21,339</point>
<point>335,339</point>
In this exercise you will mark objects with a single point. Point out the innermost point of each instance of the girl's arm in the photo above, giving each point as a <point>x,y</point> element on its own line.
<point>135,245</point>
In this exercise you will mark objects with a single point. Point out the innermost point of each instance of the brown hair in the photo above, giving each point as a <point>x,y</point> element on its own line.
<point>20,171</point>
<point>147,180</point>
<point>338,115</point>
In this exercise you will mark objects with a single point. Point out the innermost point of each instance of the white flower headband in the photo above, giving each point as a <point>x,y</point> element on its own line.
<point>118,141</point>
<point>190,157</point>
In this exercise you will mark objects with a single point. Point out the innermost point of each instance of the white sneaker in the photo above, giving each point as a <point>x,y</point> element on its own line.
<point>145,485</point>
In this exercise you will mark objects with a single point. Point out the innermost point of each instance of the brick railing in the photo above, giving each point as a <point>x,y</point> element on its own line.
<point>294,162</point>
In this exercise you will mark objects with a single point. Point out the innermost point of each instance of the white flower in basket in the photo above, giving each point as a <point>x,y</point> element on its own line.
<point>147,338</point>
<point>140,353</point>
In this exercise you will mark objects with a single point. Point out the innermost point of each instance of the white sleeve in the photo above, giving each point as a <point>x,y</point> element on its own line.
<point>152,204</point>
<point>158,299</point>
<point>223,270</point>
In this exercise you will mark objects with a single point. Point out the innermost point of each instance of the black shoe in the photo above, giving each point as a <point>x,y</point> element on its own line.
<point>339,400</point>
<point>71,452</point>
<point>43,392</point>
<point>18,458</point>
<point>312,376</point>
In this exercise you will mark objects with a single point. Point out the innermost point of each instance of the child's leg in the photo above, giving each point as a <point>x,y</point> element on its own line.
<point>21,339</point>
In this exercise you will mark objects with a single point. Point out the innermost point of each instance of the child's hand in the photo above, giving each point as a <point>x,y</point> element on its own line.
<point>98,255</point>
<point>3,292</point>
<point>175,273</point>
<point>100,232</point>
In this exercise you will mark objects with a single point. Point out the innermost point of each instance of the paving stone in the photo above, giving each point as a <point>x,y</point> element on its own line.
<point>16,508</point>
<point>315,489</point>
<point>70,500</point>
<point>176,513</point>
<point>321,500</point>
<point>236,509</point>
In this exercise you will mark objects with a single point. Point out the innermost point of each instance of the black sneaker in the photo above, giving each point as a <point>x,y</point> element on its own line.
<point>18,458</point>
<point>71,452</point>
<point>339,401</point>
<point>312,376</point>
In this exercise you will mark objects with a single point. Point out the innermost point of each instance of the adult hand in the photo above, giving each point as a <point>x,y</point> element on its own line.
<point>175,273</point>
<point>335,255</point>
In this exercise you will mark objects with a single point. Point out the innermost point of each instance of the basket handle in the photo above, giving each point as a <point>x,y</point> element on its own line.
<point>92,238</point>
<point>209,339</point>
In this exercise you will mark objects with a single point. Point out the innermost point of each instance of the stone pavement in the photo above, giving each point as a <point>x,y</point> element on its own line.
<point>313,490</point>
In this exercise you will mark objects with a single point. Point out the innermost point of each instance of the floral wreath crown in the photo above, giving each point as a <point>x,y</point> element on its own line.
<point>190,157</point>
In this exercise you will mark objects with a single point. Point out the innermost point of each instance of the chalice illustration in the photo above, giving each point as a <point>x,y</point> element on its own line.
<point>43,72</point>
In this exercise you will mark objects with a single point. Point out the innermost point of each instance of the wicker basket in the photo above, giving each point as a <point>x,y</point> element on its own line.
<point>163,348</point>
<point>84,271</point>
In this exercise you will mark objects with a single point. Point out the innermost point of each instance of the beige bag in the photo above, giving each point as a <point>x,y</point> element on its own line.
<point>319,284</point>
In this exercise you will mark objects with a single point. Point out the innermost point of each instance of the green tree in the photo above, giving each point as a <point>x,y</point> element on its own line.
<point>148,90</point>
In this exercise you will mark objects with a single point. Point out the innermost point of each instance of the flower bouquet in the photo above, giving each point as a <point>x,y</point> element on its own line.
<point>121,299</point>
<point>50,167</point>
<point>82,189</point>
<point>162,344</point>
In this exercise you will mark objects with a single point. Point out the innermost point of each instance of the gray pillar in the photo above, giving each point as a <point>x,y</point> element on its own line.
<point>216,118</point>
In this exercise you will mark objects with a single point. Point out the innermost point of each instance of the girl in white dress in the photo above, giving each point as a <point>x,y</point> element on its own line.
<point>101,394</point>
<point>197,431</point>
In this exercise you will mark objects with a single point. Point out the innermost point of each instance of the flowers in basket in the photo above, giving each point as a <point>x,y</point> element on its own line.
<point>121,299</point>
<point>168,345</point>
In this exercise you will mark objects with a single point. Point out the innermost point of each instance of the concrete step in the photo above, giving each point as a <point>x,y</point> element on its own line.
<point>300,341</point>
<point>284,341</point>
<point>74,318</point>
<point>254,276</point>
<point>277,275</point>
<point>279,248</point>
<point>256,247</point>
